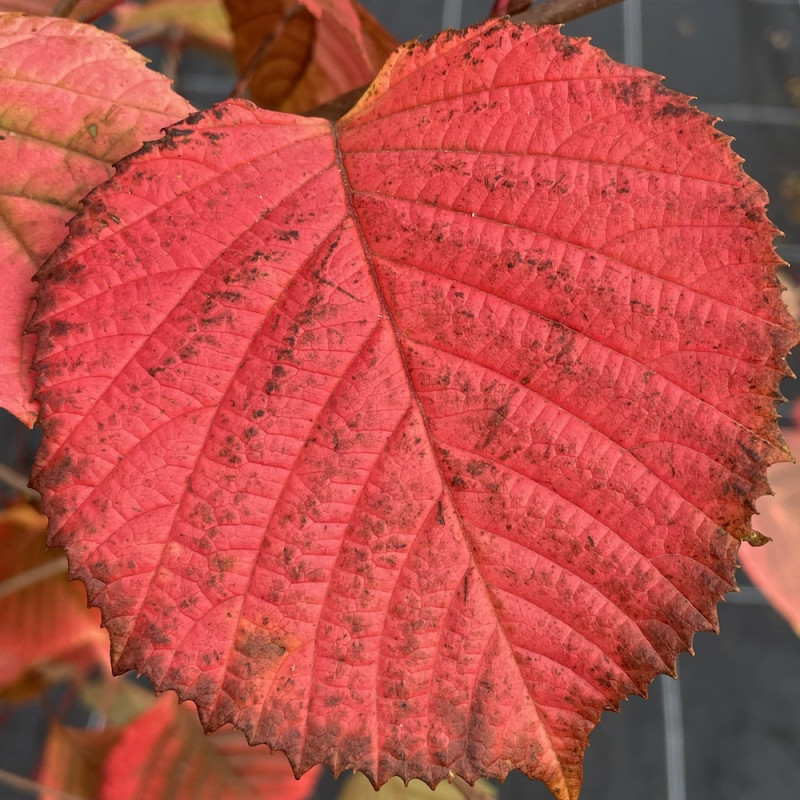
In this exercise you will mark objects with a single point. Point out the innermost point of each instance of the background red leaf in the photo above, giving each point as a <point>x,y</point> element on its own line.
<point>775,568</point>
<point>299,55</point>
<point>163,754</point>
<point>58,140</point>
<point>414,442</point>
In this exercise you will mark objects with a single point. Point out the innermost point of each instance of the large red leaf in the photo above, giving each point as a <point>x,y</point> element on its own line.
<point>414,442</point>
<point>73,100</point>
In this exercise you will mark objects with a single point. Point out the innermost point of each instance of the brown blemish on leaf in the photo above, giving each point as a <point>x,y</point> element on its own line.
<point>62,327</point>
<point>675,110</point>
<point>223,563</point>
<point>259,646</point>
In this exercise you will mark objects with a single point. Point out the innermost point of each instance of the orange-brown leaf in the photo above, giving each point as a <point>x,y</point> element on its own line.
<point>72,759</point>
<point>43,616</point>
<point>300,55</point>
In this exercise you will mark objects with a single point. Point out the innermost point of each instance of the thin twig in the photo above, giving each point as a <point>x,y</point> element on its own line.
<point>18,482</point>
<point>32,576</point>
<point>173,52</point>
<point>102,11</point>
<point>148,34</point>
<point>243,83</point>
<point>554,12</point>
<point>64,8</point>
<point>511,7</point>
<point>37,789</point>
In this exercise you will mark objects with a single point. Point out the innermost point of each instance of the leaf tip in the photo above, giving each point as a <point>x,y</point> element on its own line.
<point>756,539</point>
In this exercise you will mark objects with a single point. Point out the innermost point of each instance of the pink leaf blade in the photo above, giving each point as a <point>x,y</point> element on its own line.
<point>54,159</point>
<point>773,568</point>
<point>412,444</point>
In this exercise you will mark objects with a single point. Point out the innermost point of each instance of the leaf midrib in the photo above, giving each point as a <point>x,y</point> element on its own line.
<point>445,488</point>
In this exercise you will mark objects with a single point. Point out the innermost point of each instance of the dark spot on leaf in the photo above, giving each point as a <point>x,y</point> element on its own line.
<point>259,646</point>
<point>61,327</point>
<point>674,110</point>
<point>172,137</point>
<point>231,297</point>
<point>567,48</point>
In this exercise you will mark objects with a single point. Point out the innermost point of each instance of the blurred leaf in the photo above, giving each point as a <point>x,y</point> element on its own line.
<point>295,56</point>
<point>44,8</point>
<point>202,22</point>
<point>775,568</point>
<point>164,754</point>
<point>72,759</point>
<point>358,787</point>
<point>43,616</point>
<point>118,700</point>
